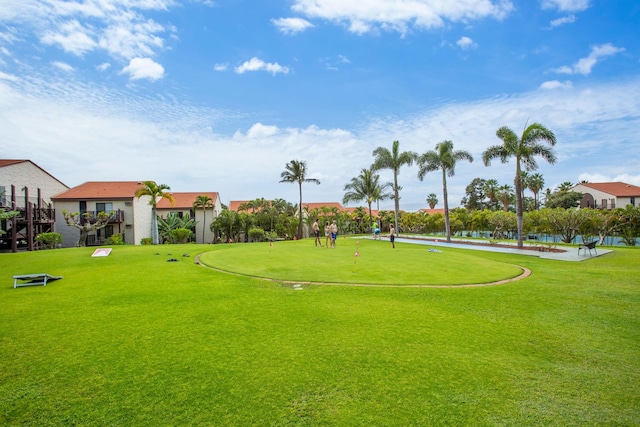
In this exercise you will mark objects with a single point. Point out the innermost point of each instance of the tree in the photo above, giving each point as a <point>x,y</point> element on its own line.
<point>524,149</point>
<point>6,215</point>
<point>203,202</point>
<point>563,199</point>
<point>394,160</point>
<point>474,195</point>
<point>535,184</point>
<point>296,172</point>
<point>365,186</point>
<point>86,222</point>
<point>443,158</point>
<point>173,221</point>
<point>227,223</point>
<point>504,195</point>
<point>432,200</point>
<point>491,191</point>
<point>156,193</point>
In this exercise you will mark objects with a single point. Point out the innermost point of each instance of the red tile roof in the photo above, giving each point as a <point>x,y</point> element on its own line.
<point>6,162</point>
<point>234,205</point>
<point>319,206</point>
<point>99,190</point>
<point>433,211</point>
<point>185,200</point>
<point>618,189</point>
<point>366,209</point>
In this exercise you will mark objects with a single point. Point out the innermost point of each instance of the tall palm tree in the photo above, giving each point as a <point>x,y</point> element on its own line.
<point>394,160</point>
<point>203,201</point>
<point>432,200</point>
<point>536,183</point>
<point>296,171</point>
<point>443,158</point>
<point>156,193</point>
<point>365,186</point>
<point>524,149</point>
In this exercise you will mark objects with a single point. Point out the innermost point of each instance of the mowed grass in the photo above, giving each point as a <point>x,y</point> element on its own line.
<point>375,263</point>
<point>132,339</point>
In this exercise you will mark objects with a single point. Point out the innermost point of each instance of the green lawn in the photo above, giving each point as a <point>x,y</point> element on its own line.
<point>132,339</point>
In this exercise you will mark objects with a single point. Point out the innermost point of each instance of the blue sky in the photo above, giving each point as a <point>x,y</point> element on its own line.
<point>218,95</point>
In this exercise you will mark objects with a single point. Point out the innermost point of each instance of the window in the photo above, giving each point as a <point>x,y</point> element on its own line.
<point>104,207</point>
<point>632,200</point>
<point>604,203</point>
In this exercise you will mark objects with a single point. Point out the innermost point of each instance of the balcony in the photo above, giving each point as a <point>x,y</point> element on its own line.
<point>116,217</point>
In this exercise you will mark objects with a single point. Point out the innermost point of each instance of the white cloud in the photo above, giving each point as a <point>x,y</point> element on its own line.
<point>561,21</point>
<point>71,37</point>
<point>257,64</point>
<point>555,84</point>
<point>143,68</point>
<point>466,43</point>
<point>584,65</point>
<point>220,67</point>
<point>8,77</point>
<point>103,67</point>
<point>596,127</point>
<point>118,27</point>
<point>566,5</point>
<point>399,15</point>
<point>62,66</point>
<point>291,25</point>
<point>261,131</point>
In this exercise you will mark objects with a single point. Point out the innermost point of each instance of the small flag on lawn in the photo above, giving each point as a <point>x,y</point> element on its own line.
<point>357,254</point>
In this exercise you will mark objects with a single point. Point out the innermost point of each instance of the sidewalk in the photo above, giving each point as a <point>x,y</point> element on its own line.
<point>571,253</point>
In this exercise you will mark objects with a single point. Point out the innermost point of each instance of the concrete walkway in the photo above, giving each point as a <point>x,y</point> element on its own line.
<point>571,253</point>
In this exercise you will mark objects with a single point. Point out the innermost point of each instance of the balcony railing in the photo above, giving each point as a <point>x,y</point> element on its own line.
<point>116,217</point>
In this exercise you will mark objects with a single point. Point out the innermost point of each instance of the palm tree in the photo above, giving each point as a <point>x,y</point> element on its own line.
<point>296,171</point>
<point>365,187</point>
<point>394,160</point>
<point>491,190</point>
<point>536,183</point>
<point>524,149</point>
<point>504,194</point>
<point>565,186</point>
<point>432,200</point>
<point>203,202</point>
<point>156,193</point>
<point>444,159</point>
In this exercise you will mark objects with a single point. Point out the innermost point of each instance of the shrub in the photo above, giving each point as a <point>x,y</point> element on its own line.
<point>49,240</point>
<point>146,241</point>
<point>256,234</point>
<point>114,239</point>
<point>180,235</point>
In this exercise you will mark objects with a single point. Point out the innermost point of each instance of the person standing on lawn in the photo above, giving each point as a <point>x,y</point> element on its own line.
<point>334,233</point>
<point>316,232</point>
<point>392,236</point>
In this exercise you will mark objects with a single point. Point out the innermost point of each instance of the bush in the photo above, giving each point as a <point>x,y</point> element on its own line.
<point>114,239</point>
<point>180,235</point>
<point>49,240</point>
<point>146,241</point>
<point>256,234</point>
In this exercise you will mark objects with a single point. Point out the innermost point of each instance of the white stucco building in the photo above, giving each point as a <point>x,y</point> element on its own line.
<point>132,216</point>
<point>607,195</point>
